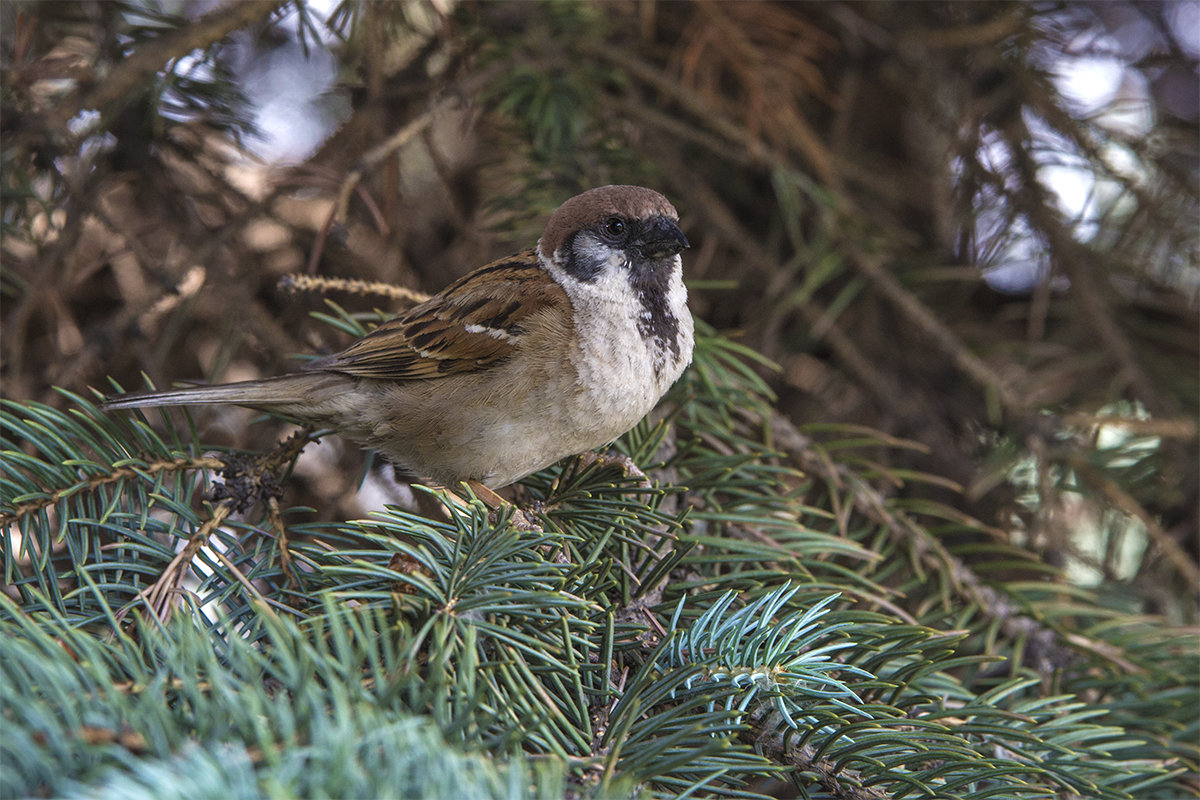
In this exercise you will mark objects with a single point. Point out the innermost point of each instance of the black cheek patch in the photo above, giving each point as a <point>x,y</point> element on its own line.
<point>579,266</point>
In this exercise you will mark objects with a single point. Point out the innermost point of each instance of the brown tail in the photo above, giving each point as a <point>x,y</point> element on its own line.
<point>273,392</point>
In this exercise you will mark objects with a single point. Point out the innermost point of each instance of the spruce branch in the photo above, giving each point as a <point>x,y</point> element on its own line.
<point>774,740</point>
<point>505,635</point>
<point>1049,646</point>
<point>161,596</point>
<point>947,340</point>
<point>247,480</point>
<point>669,632</point>
<point>151,468</point>
<point>1078,263</point>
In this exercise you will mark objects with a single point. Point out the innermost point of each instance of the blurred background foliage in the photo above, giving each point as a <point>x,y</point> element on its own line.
<point>961,236</point>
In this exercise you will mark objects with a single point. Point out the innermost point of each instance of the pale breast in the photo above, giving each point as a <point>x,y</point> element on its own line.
<point>623,372</point>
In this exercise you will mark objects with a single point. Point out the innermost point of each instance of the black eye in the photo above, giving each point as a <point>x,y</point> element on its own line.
<point>615,227</point>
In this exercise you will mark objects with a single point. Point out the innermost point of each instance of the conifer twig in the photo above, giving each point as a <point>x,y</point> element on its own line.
<point>116,475</point>
<point>158,595</point>
<point>1050,654</point>
<point>773,741</point>
<point>247,480</point>
<point>926,321</point>
<point>385,149</point>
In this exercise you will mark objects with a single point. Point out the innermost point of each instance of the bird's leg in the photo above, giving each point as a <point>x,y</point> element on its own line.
<point>522,519</point>
<point>613,459</point>
<point>489,496</point>
<point>431,507</point>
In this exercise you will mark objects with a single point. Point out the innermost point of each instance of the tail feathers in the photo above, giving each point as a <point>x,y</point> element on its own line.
<point>270,393</point>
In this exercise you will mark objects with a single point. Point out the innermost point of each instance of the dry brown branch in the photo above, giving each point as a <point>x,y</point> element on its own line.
<point>275,517</point>
<point>373,157</point>
<point>159,596</point>
<point>371,160</point>
<point>695,105</point>
<point>247,480</point>
<point>648,114</point>
<point>982,34</point>
<point>1080,266</point>
<point>245,582</point>
<point>923,318</point>
<point>324,285</point>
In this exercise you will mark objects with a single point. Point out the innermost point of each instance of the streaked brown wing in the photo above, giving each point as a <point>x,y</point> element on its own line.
<point>473,324</point>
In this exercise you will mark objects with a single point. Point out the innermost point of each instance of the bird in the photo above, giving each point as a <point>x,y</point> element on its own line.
<point>549,353</point>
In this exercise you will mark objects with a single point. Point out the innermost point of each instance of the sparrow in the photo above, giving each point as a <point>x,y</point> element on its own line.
<point>549,353</point>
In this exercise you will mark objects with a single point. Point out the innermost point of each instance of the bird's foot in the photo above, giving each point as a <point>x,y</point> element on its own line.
<point>522,519</point>
<point>612,459</point>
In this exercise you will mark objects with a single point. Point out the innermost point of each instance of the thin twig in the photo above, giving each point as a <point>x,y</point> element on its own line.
<point>281,540</point>
<point>245,582</point>
<point>373,157</point>
<point>323,285</point>
<point>1079,263</point>
<point>157,596</point>
<point>770,737</point>
<point>371,160</point>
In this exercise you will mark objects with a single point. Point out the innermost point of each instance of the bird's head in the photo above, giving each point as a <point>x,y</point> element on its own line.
<point>611,231</point>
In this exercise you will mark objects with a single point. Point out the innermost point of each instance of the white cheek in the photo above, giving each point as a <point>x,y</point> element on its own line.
<point>615,262</point>
<point>607,297</point>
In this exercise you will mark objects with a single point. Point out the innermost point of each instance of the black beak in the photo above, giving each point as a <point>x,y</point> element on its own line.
<point>661,239</point>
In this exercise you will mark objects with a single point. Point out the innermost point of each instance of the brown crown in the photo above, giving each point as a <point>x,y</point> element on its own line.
<point>596,205</point>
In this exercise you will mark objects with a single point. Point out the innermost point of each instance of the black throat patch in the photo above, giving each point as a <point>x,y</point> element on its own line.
<point>655,322</point>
